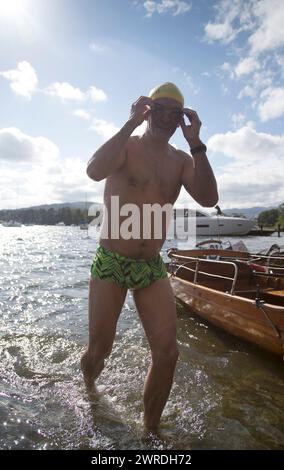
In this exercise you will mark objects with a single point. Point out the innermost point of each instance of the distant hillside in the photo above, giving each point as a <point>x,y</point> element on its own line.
<point>249,212</point>
<point>73,205</point>
<point>75,212</point>
<point>71,213</point>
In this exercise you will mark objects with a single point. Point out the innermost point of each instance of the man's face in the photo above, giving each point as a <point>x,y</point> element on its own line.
<point>165,116</point>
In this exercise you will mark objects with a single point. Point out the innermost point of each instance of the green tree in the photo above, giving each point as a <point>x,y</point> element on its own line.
<point>51,216</point>
<point>269,217</point>
<point>281,214</point>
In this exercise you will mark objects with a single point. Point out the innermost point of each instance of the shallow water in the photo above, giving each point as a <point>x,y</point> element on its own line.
<point>227,394</point>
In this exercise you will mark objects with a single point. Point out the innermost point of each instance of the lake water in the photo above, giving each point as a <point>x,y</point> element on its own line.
<point>227,394</point>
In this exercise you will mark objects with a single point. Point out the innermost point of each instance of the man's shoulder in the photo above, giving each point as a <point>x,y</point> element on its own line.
<point>178,153</point>
<point>132,141</point>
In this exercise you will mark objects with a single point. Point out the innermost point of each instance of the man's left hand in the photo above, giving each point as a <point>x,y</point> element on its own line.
<point>191,131</point>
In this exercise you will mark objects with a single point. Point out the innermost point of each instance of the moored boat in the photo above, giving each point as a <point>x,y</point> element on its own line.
<point>270,260</point>
<point>232,296</point>
<point>209,225</point>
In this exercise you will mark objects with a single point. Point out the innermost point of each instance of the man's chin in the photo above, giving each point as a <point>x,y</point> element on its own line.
<point>166,131</point>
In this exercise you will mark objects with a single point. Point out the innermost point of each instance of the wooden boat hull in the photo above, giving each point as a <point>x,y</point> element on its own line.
<point>237,315</point>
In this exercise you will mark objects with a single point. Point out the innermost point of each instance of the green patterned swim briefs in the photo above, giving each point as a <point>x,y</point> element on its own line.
<point>127,272</point>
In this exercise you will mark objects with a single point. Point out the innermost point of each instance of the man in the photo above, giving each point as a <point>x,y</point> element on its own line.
<point>144,170</point>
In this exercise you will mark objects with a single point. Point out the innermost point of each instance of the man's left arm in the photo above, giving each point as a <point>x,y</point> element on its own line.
<point>197,175</point>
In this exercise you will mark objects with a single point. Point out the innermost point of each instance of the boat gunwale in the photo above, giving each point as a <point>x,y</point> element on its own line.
<point>276,308</point>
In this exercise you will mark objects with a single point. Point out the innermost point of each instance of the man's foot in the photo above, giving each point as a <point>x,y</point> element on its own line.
<point>88,371</point>
<point>149,426</point>
<point>150,429</point>
<point>155,439</point>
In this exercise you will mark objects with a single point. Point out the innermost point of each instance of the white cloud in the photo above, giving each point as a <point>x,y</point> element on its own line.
<point>15,146</point>
<point>226,68</point>
<point>23,80</point>
<point>194,89</point>
<point>65,91</point>
<point>238,119</point>
<point>66,181</point>
<point>107,129</point>
<point>232,17</point>
<point>250,188</point>
<point>33,172</point>
<point>81,113</point>
<point>280,61</point>
<point>272,105</point>
<point>246,144</point>
<point>248,90</point>
<point>270,33</point>
<point>259,80</point>
<point>72,183</point>
<point>246,66</point>
<point>220,32</point>
<point>251,124</point>
<point>263,78</point>
<point>260,70</point>
<point>174,7</point>
<point>263,19</point>
<point>97,95</point>
<point>253,175</point>
<point>103,128</point>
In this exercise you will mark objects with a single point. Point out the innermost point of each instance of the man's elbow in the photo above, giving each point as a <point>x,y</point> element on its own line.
<point>93,174</point>
<point>210,201</point>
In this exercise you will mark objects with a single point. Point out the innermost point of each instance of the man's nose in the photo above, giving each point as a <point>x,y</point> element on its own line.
<point>166,116</point>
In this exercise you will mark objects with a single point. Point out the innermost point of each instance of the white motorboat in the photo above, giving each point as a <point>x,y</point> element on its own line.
<point>209,225</point>
<point>222,225</point>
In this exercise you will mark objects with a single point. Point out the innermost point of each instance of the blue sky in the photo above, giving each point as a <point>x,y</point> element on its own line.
<point>70,70</point>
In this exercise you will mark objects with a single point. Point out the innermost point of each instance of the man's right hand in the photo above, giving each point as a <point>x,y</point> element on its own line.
<point>140,110</point>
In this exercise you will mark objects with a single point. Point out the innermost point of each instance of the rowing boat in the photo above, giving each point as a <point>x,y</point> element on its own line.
<point>232,295</point>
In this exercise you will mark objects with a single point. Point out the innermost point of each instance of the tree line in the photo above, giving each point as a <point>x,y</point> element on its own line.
<point>272,217</point>
<point>49,216</point>
<point>69,216</point>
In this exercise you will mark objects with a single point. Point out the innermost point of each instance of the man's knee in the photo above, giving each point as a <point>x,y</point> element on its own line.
<point>165,355</point>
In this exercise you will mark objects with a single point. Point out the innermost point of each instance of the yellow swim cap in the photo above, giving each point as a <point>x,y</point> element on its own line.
<point>167,90</point>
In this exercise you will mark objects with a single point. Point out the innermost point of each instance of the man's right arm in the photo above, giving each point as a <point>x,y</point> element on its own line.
<point>112,154</point>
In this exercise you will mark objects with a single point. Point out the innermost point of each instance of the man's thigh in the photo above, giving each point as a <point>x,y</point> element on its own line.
<point>106,300</point>
<point>157,310</point>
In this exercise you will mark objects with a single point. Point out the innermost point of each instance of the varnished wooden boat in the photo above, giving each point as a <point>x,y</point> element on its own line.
<point>231,295</point>
<point>270,261</point>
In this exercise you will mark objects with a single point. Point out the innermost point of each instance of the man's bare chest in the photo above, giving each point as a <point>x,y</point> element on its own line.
<point>156,176</point>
